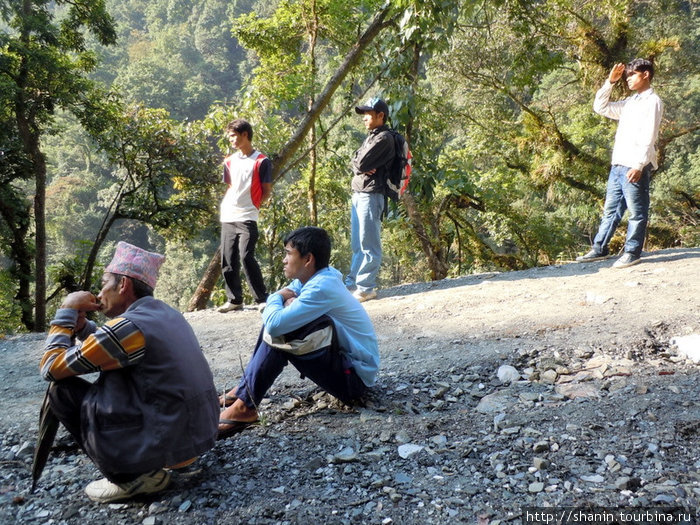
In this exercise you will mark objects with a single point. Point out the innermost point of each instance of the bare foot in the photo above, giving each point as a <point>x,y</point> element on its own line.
<point>238,411</point>
<point>227,399</point>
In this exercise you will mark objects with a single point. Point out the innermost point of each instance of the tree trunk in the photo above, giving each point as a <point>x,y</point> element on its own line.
<point>435,257</point>
<point>201,295</point>
<point>313,201</point>
<point>30,141</point>
<point>312,28</point>
<point>40,239</point>
<point>86,279</point>
<point>438,267</point>
<point>15,211</point>
<point>29,135</point>
<point>23,297</point>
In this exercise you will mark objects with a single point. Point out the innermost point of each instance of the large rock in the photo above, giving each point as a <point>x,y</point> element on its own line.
<point>496,402</point>
<point>576,390</point>
<point>507,374</point>
<point>688,346</point>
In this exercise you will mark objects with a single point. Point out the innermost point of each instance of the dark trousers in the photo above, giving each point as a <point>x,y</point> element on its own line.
<point>66,397</point>
<point>238,241</point>
<point>329,368</point>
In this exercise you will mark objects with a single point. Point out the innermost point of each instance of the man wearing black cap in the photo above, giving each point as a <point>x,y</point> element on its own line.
<point>370,165</point>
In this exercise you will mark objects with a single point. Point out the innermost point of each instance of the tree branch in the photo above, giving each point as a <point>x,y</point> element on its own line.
<point>353,56</point>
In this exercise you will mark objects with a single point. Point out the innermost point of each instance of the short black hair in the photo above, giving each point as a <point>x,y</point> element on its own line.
<point>641,64</point>
<point>141,289</point>
<point>313,240</point>
<point>385,116</point>
<point>241,126</point>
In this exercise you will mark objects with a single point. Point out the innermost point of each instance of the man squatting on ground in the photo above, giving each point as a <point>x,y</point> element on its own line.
<point>633,160</point>
<point>370,165</point>
<point>154,405</point>
<point>248,174</point>
<point>315,324</point>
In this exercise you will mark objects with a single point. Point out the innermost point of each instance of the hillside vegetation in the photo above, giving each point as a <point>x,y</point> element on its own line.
<point>113,115</point>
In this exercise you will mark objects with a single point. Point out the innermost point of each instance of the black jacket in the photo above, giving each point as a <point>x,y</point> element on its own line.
<point>376,152</point>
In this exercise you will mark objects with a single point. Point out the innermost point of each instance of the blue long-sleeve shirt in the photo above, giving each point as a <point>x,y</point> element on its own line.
<point>326,294</point>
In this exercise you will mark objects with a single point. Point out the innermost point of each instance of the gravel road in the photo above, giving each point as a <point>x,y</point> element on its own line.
<point>562,386</point>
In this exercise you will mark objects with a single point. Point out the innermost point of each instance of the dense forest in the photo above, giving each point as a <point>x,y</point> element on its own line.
<point>113,114</point>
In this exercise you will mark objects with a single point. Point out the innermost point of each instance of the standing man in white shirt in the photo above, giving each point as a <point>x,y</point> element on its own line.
<point>248,174</point>
<point>633,159</point>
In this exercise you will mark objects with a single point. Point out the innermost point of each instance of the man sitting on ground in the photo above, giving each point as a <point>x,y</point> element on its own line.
<point>315,324</point>
<point>154,404</point>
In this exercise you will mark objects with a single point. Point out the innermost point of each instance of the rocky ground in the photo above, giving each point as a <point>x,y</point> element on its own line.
<point>570,385</point>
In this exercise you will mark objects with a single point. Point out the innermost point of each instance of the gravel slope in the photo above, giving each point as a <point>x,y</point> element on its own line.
<point>555,386</point>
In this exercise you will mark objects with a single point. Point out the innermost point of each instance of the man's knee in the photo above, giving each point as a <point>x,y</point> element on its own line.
<point>66,395</point>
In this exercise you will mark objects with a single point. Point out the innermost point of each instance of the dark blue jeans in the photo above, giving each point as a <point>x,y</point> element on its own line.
<point>620,196</point>
<point>329,368</point>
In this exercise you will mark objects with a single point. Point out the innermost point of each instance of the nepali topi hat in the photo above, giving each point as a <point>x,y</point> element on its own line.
<point>136,263</point>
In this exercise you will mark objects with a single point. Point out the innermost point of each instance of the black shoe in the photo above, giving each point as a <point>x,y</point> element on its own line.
<point>627,259</point>
<point>591,256</point>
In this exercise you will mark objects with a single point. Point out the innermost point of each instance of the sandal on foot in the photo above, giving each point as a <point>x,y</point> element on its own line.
<point>227,400</point>
<point>233,427</point>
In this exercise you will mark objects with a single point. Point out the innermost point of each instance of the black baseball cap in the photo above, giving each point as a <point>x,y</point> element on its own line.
<point>373,104</point>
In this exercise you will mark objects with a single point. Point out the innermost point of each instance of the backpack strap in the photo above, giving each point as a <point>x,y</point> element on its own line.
<point>256,185</point>
<point>320,334</point>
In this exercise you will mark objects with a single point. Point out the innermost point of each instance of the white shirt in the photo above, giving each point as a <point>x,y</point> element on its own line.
<point>237,204</point>
<point>639,119</point>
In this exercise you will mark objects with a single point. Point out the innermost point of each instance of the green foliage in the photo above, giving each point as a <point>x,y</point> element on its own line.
<point>65,271</point>
<point>675,206</point>
<point>44,63</point>
<point>47,57</point>
<point>288,65</point>
<point>401,262</point>
<point>10,311</point>
<point>168,170</point>
<point>15,224</point>
<point>73,210</point>
<point>181,271</point>
<point>289,209</point>
<point>517,84</point>
<point>510,161</point>
<point>179,56</point>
